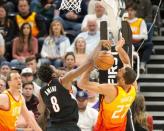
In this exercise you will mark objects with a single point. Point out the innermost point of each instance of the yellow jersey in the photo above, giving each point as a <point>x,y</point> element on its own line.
<point>8,117</point>
<point>135,27</point>
<point>112,116</point>
<point>30,20</point>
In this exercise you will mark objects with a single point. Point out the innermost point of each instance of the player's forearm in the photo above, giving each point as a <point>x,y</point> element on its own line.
<point>84,79</point>
<point>33,124</point>
<point>123,55</point>
<point>77,72</point>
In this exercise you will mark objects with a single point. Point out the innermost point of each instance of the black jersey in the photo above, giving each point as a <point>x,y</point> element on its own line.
<point>62,106</point>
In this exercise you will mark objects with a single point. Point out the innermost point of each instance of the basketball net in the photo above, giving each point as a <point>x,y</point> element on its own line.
<point>71,5</point>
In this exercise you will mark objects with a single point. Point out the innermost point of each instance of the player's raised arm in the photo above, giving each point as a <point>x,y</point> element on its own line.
<point>122,53</point>
<point>124,56</point>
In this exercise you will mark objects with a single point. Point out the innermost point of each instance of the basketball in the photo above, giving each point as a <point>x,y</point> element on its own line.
<point>104,60</point>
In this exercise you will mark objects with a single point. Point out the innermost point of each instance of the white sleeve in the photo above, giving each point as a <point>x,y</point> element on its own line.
<point>64,47</point>
<point>2,41</point>
<point>143,32</point>
<point>84,23</point>
<point>44,50</point>
<point>94,116</point>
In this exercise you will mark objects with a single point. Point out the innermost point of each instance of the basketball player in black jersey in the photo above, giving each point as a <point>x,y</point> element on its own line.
<point>56,96</point>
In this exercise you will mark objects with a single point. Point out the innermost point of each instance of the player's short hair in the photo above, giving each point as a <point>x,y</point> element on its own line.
<point>9,75</point>
<point>129,75</point>
<point>45,73</point>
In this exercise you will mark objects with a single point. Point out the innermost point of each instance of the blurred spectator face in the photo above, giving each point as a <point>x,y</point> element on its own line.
<point>26,30</point>
<point>33,65</point>
<point>82,103</point>
<point>28,90</point>
<point>131,13</point>
<point>80,44</point>
<point>92,26</point>
<point>2,85</point>
<point>23,7</point>
<point>27,77</point>
<point>99,9</point>
<point>5,70</point>
<point>56,28</point>
<point>70,61</point>
<point>2,13</point>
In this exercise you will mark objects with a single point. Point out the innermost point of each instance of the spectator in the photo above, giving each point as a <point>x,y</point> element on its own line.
<point>91,6</point>
<point>5,69</point>
<point>138,25</point>
<point>92,36</point>
<point>6,25</point>
<point>144,10</point>
<point>15,65</point>
<point>10,5</point>
<point>27,76</point>
<point>71,19</point>
<point>46,9</point>
<point>69,61</point>
<point>99,15</point>
<point>93,99</point>
<point>31,62</point>
<point>25,44</point>
<point>141,118</point>
<point>139,33</point>
<point>25,15</point>
<point>55,45</point>
<point>2,85</point>
<point>80,50</point>
<point>87,115</point>
<point>31,100</point>
<point>2,49</point>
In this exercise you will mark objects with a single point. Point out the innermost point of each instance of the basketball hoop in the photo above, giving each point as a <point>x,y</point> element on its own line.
<point>71,5</point>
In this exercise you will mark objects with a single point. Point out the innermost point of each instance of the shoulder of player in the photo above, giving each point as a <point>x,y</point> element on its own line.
<point>108,89</point>
<point>5,99</point>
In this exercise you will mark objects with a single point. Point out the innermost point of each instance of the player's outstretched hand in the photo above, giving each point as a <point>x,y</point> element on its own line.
<point>121,42</point>
<point>106,44</point>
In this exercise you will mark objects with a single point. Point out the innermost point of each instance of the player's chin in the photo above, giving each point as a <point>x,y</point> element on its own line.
<point>19,86</point>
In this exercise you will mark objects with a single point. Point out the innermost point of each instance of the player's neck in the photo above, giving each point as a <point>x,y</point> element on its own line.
<point>127,87</point>
<point>15,93</point>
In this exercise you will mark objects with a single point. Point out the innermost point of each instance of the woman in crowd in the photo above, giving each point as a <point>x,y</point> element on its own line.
<point>7,30</point>
<point>69,61</point>
<point>25,45</point>
<point>80,50</point>
<point>55,45</point>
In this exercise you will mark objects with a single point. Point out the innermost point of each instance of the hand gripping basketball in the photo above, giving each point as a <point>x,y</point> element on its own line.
<point>104,60</point>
